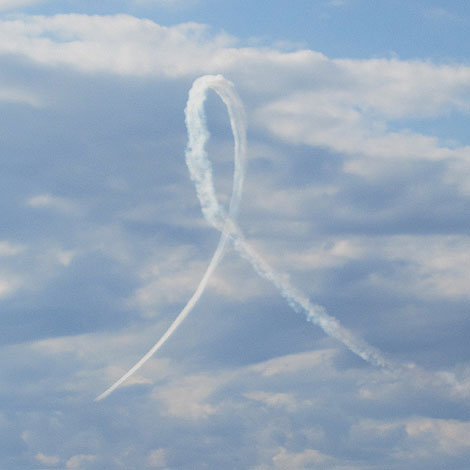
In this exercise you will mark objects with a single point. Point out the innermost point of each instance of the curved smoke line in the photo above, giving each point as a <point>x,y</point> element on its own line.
<point>201,173</point>
<point>200,169</point>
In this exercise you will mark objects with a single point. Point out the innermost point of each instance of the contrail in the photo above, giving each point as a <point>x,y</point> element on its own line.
<point>201,173</point>
<point>200,169</point>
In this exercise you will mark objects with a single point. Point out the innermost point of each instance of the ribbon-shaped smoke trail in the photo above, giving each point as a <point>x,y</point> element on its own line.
<point>200,170</point>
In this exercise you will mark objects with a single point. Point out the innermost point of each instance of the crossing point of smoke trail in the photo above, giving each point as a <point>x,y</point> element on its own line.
<point>200,169</point>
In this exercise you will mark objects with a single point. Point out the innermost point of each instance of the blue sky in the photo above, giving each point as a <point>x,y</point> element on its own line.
<point>356,191</point>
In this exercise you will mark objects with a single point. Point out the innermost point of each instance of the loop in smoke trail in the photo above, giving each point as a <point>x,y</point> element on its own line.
<point>200,170</point>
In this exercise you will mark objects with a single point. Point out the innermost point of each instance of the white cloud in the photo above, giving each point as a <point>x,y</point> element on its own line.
<point>157,458</point>
<point>452,436</point>
<point>16,4</point>
<point>188,398</point>
<point>436,266</point>
<point>53,202</point>
<point>128,45</point>
<point>367,88</point>
<point>286,401</point>
<point>114,44</point>
<point>8,285</point>
<point>308,459</point>
<point>343,104</point>
<point>174,274</point>
<point>19,95</point>
<point>293,363</point>
<point>319,119</point>
<point>96,351</point>
<point>349,106</point>
<point>337,252</point>
<point>79,462</point>
<point>428,437</point>
<point>358,113</point>
<point>168,279</point>
<point>10,249</point>
<point>65,257</point>
<point>48,460</point>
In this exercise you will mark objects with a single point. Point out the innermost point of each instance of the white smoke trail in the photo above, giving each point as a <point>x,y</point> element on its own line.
<point>200,170</point>
<point>201,173</point>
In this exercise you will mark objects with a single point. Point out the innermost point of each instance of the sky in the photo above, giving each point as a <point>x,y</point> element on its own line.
<point>356,192</point>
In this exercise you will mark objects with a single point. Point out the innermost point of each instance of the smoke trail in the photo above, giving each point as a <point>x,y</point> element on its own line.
<point>201,173</point>
<point>200,170</point>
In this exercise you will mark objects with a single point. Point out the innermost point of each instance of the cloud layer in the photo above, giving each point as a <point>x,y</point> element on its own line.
<point>356,187</point>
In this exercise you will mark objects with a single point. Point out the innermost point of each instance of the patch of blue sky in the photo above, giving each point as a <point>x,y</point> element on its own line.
<point>451,129</point>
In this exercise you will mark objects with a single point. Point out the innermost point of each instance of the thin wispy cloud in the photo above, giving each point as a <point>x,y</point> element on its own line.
<point>48,201</point>
<point>440,14</point>
<point>21,96</point>
<point>338,3</point>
